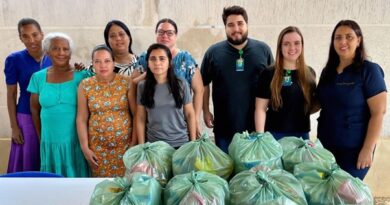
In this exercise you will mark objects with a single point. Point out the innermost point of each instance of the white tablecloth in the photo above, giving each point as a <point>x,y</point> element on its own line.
<point>50,191</point>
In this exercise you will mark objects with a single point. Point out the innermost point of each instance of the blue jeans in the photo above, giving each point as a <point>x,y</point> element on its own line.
<point>223,143</point>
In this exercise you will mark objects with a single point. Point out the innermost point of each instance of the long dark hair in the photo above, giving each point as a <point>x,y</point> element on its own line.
<point>333,58</point>
<point>174,84</point>
<point>123,26</point>
<point>305,77</point>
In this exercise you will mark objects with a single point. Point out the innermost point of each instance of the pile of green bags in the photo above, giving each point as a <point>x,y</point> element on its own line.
<point>154,159</point>
<point>291,171</point>
<point>297,150</point>
<point>325,183</point>
<point>261,185</point>
<point>136,189</point>
<point>202,155</point>
<point>250,150</point>
<point>196,188</point>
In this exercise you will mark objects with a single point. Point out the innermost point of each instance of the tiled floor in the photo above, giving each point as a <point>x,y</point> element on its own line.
<point>382,200</point>
<point>378,178</point>
<point>4,153</point>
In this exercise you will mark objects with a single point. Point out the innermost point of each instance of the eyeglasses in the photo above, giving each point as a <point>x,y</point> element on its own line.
<point>169,33</point>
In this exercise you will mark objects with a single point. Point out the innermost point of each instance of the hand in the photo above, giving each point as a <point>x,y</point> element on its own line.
<point>79,66</point>
<point>90,157</point>
<point>137,79</point>
<point>133,140</point>
<point>198,131</point>
<point>17,136</point>
<point>208,119</point>
<point>365,158</point>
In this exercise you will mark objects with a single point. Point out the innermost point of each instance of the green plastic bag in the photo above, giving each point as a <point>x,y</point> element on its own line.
<point>140,189</point>
<point>110,192</point>
<point>202,155</point>
<point>297,150</point>
<point>250,150</point>
<point>154,159</point>
<point>261,185</point>
<point>326,183</point>
<point>196,188</point>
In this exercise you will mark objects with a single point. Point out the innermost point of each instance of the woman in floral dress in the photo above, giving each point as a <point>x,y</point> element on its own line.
<point>103,116</point>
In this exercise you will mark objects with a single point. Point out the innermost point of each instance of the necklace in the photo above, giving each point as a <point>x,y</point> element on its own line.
<point>287,80</point>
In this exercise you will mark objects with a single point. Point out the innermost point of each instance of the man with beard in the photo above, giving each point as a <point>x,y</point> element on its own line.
<point>233,66</point>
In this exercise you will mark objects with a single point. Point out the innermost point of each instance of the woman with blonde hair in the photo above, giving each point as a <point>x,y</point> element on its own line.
<point>286,90</point>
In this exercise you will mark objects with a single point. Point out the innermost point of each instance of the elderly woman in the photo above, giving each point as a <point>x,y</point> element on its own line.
<point>19,66</point>
<point>103,118</point>
<point>53,106</point>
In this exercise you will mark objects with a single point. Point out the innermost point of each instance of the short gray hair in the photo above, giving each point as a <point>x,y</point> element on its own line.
<point>47,41</point>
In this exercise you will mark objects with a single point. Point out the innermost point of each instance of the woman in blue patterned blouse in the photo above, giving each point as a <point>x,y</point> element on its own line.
<point>184,64</point>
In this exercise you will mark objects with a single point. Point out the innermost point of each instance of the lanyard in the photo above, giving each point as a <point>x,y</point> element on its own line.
<point>240,61</point>
<point>240,52</point>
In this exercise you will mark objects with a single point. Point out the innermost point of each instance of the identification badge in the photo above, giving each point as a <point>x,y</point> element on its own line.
<point>240,64</point>
<point>287,80</point>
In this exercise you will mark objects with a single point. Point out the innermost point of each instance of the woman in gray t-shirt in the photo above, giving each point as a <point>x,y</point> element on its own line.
<point>164,104</point>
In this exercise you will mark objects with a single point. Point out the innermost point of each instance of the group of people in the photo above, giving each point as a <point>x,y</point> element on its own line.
<point>79,122</point>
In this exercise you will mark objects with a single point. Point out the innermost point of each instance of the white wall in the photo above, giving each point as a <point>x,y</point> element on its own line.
<point>200,25</point>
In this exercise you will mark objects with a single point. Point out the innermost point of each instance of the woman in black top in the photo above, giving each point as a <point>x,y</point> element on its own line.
<point>285,94</point>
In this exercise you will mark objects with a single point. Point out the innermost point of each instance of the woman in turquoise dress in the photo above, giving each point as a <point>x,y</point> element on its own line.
<point>54,106</point>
